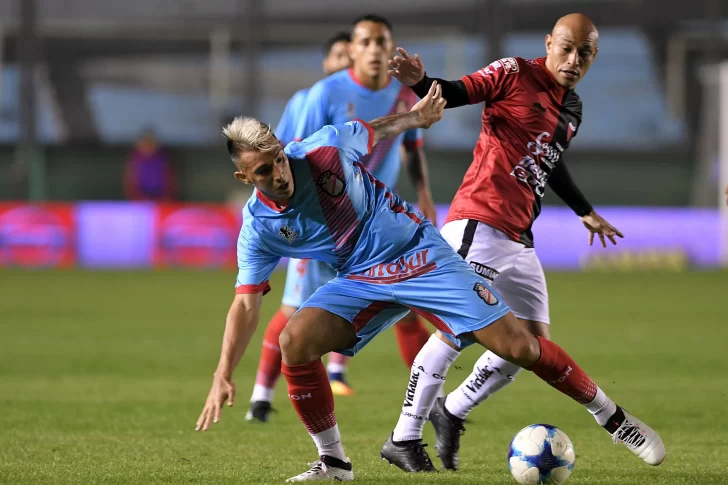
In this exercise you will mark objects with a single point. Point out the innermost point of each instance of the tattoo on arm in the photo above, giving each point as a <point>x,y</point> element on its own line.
<point>392,125</point>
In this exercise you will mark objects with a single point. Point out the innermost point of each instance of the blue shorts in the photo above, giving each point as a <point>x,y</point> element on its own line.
<point>429,279</point>
<point>303,278</point>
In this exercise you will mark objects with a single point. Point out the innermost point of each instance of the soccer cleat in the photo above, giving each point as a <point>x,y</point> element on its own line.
<point>339,387</point>
<point>448,430</point>
<point>327,468</point>
<point>259,412</point>
<point>409,456</point>
<point>642,440</point>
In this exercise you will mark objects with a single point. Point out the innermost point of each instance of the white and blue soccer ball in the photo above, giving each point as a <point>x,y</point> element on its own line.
<point>541,453</point>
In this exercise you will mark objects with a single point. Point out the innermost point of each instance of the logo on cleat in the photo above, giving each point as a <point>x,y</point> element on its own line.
<point>485,294</point>
<point>409,396</point>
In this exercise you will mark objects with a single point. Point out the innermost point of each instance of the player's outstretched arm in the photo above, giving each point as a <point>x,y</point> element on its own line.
<point>410,71</point>
<point>242,319</point>
<point>564,186</point>
<point>424,114</point>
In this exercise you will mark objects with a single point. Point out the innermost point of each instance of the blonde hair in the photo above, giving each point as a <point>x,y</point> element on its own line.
<point>245,134</point>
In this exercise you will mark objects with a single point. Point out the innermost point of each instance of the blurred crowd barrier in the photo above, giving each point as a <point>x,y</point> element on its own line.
<point>142,235</point>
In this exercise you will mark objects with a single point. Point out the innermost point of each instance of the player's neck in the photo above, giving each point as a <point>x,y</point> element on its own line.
<point>374,83</point>
<point>273,202</point>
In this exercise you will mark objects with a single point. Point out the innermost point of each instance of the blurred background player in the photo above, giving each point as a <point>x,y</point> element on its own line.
<point>336,58</point>
<point>148,174</point>
<point>364,91</point>
<point>530,117</point>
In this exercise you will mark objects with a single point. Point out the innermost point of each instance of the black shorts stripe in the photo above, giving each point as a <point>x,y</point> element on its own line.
<point>468,236</point>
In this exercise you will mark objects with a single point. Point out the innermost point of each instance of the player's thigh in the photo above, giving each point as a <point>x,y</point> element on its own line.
<point>523,288</point>
<point>509,338</point>
<point>368,309</point>
<point>490,252</point>
<point>303,278</point>
<point>447,291</point>
<point>313,332</point>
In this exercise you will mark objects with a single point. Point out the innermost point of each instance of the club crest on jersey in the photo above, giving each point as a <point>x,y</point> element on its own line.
<point>288,234</point>
<point>331,183</point>
<point>485,294</point>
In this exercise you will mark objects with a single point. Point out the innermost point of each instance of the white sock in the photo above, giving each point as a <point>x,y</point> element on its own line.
<point>328,443</point>
<point>426,380</point>
<point>490,375</point>
<point>602,407</point>
<point>335,368</point>
<point>262,393</point>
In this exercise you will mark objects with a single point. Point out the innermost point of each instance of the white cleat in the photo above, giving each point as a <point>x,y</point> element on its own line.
<point>326,468</point>
<point>639,438</point>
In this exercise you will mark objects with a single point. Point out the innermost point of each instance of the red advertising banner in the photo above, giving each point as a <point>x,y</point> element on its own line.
<point>37,235</point>
<point>196,236</point>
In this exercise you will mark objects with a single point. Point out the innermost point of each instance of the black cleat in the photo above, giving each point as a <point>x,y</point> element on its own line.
<point>259,412</point>
<point>448,430</point>
<point>409,456</point>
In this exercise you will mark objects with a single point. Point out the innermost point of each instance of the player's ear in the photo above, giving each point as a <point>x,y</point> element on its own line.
<point>596,51</point>
<point>242,177</point>
<point>548,43</point>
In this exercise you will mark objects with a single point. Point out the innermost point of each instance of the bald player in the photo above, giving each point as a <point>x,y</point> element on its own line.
<point>530,116</point>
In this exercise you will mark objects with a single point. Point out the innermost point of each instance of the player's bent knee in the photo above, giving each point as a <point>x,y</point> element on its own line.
<point>295,347</point>
<point>523,349</point>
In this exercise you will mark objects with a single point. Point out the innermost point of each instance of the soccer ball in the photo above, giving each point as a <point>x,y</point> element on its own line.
<point>541,453</point>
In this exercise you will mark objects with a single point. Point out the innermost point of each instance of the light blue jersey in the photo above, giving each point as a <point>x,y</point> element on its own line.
<point>340,98</point>
<point>286,129</point>
<point>389,260</point>
<point>339,213</point>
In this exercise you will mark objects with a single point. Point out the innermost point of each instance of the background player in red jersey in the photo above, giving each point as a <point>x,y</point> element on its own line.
<point>530,116</point>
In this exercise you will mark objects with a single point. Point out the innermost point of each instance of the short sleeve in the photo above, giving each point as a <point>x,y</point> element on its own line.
<point>255,263</point>
<point>492,82</point>
<point>286,128</point>
<point>314,112</point>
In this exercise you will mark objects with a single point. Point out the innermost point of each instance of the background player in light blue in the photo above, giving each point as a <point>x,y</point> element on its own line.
<point>336,58</point>
<point>364,91</point>
<point>323,204</point>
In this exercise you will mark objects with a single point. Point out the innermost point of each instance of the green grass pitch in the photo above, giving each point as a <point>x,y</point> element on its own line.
<point>103,374</point>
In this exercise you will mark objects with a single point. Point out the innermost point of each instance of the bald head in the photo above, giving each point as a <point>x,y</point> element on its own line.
<point>571,48</point>
<point>578,25</point>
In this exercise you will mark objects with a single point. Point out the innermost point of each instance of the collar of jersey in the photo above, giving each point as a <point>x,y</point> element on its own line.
<point>270,203</point>
<point>541,61</point>
<point>359,83</point>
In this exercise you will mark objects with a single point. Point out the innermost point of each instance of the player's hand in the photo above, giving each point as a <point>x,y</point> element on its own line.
<point>405,69</point>
<point>596,224</point>
<point>222,391</point>
<point>726,195</point>
<point>427,205</point>
<point>431,107</point>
